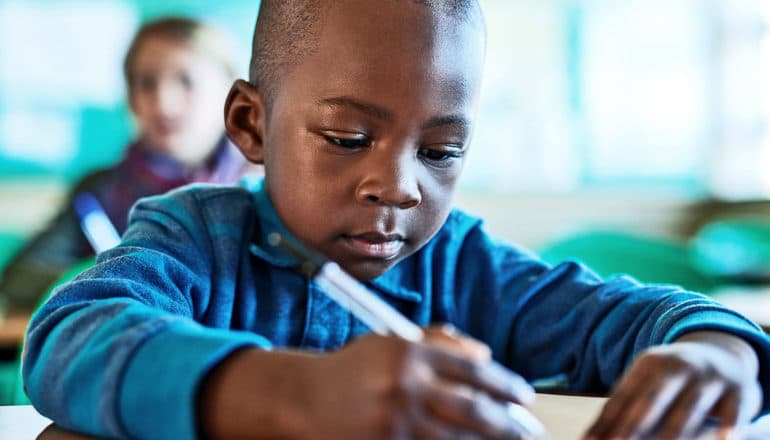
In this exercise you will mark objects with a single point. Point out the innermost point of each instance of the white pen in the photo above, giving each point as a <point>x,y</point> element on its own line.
<point>373,311</point>
<point>96,226</point>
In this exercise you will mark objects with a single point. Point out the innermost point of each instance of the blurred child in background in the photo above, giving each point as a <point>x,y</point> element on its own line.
<point>177,72</point>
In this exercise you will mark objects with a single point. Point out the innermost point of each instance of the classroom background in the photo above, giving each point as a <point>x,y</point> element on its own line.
<point>605,126</point>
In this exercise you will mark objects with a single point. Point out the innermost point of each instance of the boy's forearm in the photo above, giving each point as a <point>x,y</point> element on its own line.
<point>255,394</point>
<point>733,344</point>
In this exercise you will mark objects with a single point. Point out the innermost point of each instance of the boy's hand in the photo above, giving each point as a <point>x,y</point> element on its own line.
<point>375,388</point>
<point>385,387</point>
<point>670,391</point>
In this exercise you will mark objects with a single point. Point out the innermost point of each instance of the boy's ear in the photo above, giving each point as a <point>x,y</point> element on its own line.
<point>245,120</point>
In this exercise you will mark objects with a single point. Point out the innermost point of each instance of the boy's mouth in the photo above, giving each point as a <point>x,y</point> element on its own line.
<point>167,126</point>
<point>375,244</point>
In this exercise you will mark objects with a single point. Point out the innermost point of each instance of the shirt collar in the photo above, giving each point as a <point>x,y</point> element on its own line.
<point>391,283</point>
<point>268,222</point>
<point>222,166</point>
<point>395,281</point>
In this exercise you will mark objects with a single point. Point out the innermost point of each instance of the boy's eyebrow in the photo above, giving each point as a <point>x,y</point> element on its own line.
<point>363,107</point>
<point>446,120</point>
<point>380,112</point>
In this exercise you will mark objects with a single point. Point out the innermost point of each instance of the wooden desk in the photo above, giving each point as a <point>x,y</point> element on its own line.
<point>12,329</point>
<point>565,417</point>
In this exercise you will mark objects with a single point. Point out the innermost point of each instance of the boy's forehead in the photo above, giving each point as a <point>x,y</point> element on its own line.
<point>398,29</point>
<point>400,37</point>
<point>429,13</point>
<point>288,32</point>
<point>388,51</point>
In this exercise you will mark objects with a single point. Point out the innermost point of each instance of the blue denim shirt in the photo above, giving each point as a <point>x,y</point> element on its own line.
<point>121,350</point>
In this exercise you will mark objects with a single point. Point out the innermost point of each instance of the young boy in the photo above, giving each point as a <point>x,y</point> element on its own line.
<point>361,112</point>
<point>177,72</point>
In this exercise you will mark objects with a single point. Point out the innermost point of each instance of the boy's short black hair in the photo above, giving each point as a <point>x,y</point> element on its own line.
<point>286,31</point>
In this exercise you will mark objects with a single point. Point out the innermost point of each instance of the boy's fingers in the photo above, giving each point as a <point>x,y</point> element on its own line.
<point>691,408</point>
<point>643,408</point>
<point>468,410</point>
<point>750,402</point>
<point>429,428</point>
<point>727,409</point>
<point>612,411</point>
<point>490,377</point>
<point>607,418</point>
<point>734,409</point>
<point>448,336</point>
<point>711,394</point>
<point>636,404</point>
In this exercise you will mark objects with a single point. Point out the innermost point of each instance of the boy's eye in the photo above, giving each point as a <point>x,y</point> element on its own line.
<point>185,80</point>
<point>359,141</point>
<point>435,155</point>
<point>146,83</point>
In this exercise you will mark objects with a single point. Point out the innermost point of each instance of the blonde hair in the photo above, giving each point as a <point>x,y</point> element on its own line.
<point>198,35</point>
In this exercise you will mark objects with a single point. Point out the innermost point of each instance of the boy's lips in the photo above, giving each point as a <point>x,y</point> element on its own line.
<point>375,244</point>
<point>167,127</point>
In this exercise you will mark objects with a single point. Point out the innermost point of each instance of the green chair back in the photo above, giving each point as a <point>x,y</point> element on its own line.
<point>612,253</point>
<point>734,249</point>
<point>10,243</point>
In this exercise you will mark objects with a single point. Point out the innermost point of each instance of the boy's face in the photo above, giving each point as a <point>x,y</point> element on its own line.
<point>366,137</point>
<point>175,96</point>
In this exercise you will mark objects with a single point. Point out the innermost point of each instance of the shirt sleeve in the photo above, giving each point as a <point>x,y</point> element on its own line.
<point>117,352</point>
<point>566,327</point>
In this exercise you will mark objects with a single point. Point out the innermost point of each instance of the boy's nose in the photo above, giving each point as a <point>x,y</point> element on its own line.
<point>390,186</point>
<point>168,100</point>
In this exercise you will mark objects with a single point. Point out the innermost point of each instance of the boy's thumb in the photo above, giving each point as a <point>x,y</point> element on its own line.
<point>448,336</point>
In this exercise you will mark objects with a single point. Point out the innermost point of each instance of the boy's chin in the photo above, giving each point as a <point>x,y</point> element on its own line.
<point>369,269</point>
